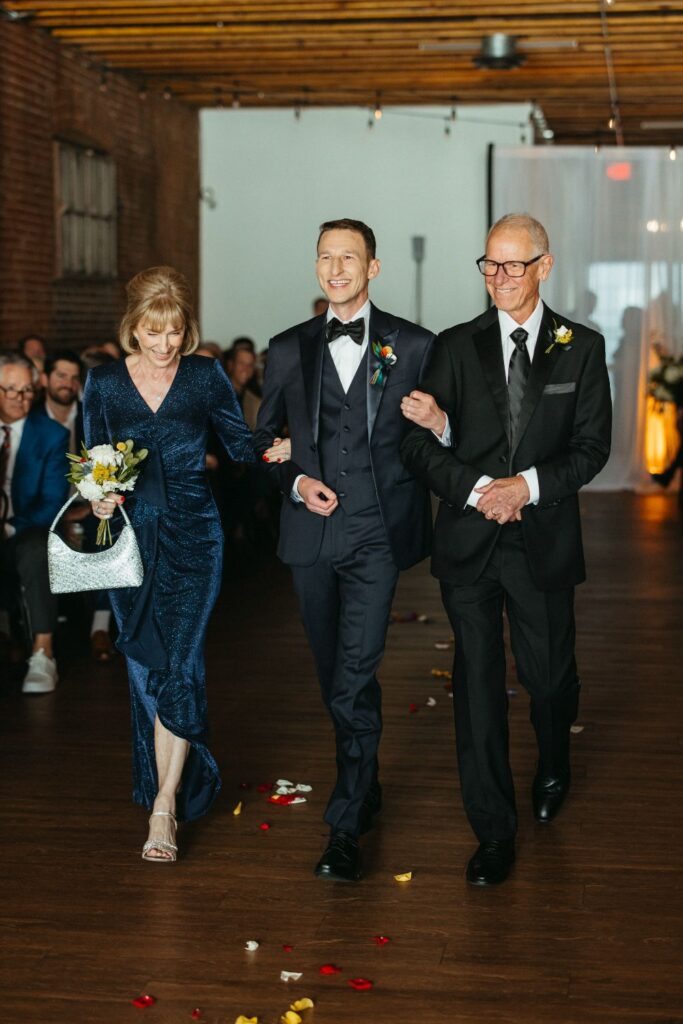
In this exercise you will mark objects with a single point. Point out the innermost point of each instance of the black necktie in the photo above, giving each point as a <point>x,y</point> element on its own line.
<point>355,329</point>
<point>518,373</point>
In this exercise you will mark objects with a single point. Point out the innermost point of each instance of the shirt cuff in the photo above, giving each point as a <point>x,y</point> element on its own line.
<point>474,497</point>
<point>294,494</point>
<point>447,436</point>
<point>531,477</point>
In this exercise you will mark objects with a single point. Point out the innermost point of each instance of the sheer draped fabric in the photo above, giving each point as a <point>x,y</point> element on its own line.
<point>615,221</point>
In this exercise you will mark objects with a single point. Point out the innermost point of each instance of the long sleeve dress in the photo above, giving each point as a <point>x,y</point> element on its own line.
<point>162,624</point>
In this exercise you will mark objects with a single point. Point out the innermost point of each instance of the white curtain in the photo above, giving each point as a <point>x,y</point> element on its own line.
<point>615,221</point>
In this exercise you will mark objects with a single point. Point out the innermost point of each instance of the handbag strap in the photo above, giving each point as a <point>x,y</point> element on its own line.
<point>73,498</point>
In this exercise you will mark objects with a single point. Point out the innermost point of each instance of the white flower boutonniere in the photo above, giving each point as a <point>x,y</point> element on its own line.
<point>561,336</point>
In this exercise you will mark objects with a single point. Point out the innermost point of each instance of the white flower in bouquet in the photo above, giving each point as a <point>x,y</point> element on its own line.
<point>102,470</point>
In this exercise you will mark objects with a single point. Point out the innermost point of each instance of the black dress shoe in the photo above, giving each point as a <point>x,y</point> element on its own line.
<point>341,860</point>
<point>492,862</point>
<point>371,806</point>
<point>547,795</point>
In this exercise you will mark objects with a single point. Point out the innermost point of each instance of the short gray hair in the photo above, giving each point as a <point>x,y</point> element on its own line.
<point>524,222</point>
<point>17,359</point>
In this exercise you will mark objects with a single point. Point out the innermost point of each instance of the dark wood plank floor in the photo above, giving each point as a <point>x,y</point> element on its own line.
<point>587,929</point>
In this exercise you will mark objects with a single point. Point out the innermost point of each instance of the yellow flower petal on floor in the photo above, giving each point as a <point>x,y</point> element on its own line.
<point>237,810</point>
<point>303,1004</point>
<point>291,1018</point>
<point>407,876</point>
<point>246,1020</point>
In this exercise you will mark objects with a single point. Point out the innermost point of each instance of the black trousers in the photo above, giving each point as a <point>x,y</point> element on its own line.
<point>542,636</point>
<point>25,556</point>
<point>345,600</point>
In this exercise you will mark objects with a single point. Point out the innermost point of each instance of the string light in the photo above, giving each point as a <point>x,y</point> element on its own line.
<point>378,109</point>
<point>235,101</point>
<point>142,92</point>
<point>611,123</point>
<point>167,94</point>
<point>672,153</point>
<point>103,82</point>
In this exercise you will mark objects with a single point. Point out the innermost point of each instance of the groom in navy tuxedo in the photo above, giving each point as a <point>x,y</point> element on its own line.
<point>353,516</point>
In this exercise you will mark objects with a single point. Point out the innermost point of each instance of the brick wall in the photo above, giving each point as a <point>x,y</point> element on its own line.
<point>46,92</point>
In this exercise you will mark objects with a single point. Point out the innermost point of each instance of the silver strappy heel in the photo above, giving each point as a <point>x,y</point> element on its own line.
<point>161,844</point>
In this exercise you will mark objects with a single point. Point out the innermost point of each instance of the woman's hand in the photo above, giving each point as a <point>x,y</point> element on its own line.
<point>281,450</point>
<point>104,508</point>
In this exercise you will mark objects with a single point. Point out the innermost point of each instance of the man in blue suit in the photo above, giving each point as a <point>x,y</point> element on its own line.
<point>33,487</point>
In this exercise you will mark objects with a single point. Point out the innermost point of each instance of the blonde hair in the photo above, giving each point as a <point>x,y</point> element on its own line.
<point>155,297</point>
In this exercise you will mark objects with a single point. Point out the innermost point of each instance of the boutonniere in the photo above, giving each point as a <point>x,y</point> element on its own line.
<point>387,358</point>
<point>561,336</point>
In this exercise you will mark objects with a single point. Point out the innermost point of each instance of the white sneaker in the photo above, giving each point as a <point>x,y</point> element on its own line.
<point>42,674</point>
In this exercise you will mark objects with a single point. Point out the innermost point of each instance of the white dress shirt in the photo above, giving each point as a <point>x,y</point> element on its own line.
<point>507,325</point>
<point>16,431</point>
<point>347,356</point>
<point>69,423</point>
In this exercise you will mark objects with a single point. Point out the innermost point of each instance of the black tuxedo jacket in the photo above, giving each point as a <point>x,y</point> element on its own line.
<point>291,395</point>
<point>564,431</point>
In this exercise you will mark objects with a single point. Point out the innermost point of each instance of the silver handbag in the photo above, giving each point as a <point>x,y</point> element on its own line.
<point>117,566</point>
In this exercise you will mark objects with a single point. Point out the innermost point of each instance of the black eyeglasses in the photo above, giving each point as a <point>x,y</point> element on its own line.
<point>513,268</point>
<point>23,393</point>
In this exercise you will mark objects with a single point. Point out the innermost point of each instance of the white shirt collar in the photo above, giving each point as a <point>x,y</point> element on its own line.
<point>16,428</point>
<point>531,326</point>
<point>364,312</point>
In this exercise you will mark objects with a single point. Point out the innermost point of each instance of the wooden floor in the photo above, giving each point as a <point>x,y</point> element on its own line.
<point>586,930</point>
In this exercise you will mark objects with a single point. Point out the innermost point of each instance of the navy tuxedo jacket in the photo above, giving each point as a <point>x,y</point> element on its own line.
<point>39,484</point>
<point>291,396</point>
<point>564,430</point>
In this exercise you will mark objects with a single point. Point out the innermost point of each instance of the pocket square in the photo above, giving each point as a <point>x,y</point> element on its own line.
<point>560,389</point>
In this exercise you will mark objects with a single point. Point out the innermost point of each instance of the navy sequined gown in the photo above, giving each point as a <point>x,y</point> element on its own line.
<point>162,624</point>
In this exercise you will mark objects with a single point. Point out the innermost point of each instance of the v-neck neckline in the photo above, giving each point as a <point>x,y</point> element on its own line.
<point>144,401</point>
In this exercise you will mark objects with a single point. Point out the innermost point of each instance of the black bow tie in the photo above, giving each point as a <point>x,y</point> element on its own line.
<point>355,329</point>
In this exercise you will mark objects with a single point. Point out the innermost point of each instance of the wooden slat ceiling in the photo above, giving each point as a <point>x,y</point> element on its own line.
<point>274,53</point>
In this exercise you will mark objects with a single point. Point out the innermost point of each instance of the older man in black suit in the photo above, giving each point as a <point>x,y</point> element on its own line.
<point>353,515</point>
<point>520,398</point>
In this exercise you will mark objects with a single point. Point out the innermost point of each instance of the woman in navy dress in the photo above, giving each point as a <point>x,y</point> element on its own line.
<point>165,398</point>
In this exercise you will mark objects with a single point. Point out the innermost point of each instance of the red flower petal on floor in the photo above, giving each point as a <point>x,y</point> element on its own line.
<point>287,949</point>
<point>330,969</point>
<point>264,787</point>
<point>413,708</point>
<point>264,826</point>
<point>380,940</point>
<point>144,1001</point>
<point>360,984</point>
<point>196,1014</point>
<point>283,798</point>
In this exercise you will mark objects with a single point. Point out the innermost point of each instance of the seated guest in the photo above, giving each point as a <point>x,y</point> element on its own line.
<point>210,348</point>
<point>319,305</point>
<point>34,348</point>
<point>240,365</point>
<point>62,383</point>
<point>93,356</point>
<point>34,487</point>
<point>112,348</point>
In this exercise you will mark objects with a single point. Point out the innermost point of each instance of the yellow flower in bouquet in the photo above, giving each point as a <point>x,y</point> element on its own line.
<point>104,469</point>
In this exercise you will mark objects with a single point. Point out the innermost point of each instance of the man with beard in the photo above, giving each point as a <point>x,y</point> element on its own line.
<point>62,383</point>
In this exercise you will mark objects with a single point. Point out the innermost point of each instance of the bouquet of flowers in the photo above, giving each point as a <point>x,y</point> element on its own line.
<point>666,380</point>
<point>102,469</point>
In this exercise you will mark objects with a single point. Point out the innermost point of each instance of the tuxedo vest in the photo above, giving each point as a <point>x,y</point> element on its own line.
<point>343,443</point>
